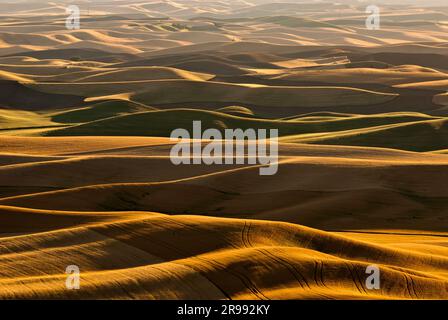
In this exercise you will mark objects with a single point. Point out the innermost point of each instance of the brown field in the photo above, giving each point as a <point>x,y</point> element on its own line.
<point>85,171</point>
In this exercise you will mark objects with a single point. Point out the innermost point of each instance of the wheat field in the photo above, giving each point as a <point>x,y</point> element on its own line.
<point>86,176</point>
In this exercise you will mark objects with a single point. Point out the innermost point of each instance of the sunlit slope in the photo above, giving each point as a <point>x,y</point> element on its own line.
<point>86,176</point>
<point>48,147</point>
<point>22,119</point>
<point>65,172</point>
<point>380,76</point>
<point>62,146</point>
<point>144,73</point>
<point>191,257</point>
<point>163,122</point>
<point>161,92</point>
<point>123,117</point>
<point>98,110</point>
<point>333,192</point>
<point>415,136</point>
